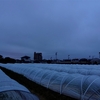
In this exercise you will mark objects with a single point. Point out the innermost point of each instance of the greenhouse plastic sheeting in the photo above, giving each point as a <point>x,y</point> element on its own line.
<point>17,95</point>
<point>11,90</point>
<point>78,81</point>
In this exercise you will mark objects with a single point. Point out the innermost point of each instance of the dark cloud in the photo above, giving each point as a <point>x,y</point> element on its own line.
<point>49,26</point>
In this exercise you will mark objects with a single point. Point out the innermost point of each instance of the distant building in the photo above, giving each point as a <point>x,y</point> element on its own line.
<point>37,57</point>
<point>83,61</point>
<point>65,61</point>
<point>25,59</point>
<point>95,61</point>
<point>75,61</point>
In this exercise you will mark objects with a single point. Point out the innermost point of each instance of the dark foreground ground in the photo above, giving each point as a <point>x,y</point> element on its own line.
<point>42,92</point>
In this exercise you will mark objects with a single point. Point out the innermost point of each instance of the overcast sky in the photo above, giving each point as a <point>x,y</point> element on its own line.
<point>69,27</point>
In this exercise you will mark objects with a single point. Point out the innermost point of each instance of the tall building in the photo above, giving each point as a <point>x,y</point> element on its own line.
<point>37,56</point>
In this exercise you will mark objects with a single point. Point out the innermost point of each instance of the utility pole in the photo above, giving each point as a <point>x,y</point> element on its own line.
<point>56,55</point>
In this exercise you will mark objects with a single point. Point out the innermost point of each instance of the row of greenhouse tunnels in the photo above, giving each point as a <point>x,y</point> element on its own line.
<point>14,86</point>
<point>49,82</point>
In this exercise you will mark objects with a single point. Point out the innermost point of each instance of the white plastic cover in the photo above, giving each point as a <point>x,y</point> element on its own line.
<point>12,90</point>
<point>6,83</point>
<point>17,95</point>
<point>77,81</point>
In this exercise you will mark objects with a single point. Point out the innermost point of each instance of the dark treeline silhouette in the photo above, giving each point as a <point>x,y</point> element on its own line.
<point>24,59</point>
<point>7,60</point>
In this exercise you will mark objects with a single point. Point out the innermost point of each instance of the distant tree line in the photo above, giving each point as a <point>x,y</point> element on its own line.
<point>6,60</point>
<point>24,59</point>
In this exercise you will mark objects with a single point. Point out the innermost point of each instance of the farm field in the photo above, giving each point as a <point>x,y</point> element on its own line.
<point>76,81</point>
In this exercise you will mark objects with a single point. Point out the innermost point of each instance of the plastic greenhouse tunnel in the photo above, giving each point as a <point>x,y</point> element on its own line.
<point>81,82</point>
<point>11,90</point>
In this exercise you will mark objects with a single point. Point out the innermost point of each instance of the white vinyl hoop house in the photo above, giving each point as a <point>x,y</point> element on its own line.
<point>78,81</point>
<point>11,90</point>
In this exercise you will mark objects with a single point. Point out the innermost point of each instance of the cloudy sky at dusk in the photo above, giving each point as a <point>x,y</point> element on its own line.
<point>69,27</point>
